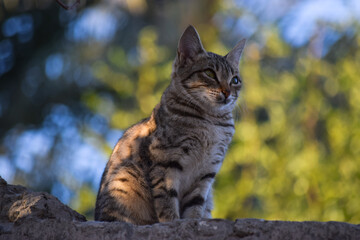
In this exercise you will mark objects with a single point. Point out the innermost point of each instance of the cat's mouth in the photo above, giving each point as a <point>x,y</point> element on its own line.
<point>223,101</point>
<point>226,101</point>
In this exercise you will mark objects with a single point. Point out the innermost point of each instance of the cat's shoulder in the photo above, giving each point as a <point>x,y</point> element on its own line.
<point>142,128</point>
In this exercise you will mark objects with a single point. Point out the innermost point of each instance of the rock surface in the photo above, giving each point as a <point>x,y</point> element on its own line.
<point>30,215</point>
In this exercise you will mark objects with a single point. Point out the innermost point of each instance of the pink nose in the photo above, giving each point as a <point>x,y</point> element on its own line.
<point>225,92</point>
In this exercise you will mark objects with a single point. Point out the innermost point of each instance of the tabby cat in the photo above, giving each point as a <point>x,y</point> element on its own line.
<point>163,167</point>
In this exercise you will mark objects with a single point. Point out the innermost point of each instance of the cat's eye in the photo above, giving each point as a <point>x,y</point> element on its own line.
<point>210,73</point>
<point>235,81</point>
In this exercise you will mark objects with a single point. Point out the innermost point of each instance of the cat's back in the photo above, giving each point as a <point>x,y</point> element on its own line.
<point>133,140</point>
<point>125,179</point>
<point>132,146</point>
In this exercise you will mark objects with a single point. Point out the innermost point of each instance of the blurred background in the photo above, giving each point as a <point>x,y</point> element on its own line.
<point>73,80</point>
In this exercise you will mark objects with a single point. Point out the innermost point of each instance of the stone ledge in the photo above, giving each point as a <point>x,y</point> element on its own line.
<point>30,215</point>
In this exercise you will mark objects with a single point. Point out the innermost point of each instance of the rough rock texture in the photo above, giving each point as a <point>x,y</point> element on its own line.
<point>29,215</point>
<point>19,204</point>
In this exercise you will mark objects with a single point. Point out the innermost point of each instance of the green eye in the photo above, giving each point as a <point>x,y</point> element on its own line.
<point>210,73</point>
<point>235,80</point>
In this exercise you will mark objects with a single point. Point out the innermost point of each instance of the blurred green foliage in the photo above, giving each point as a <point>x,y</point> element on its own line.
<point>295,154</point>
<point>296,151</point>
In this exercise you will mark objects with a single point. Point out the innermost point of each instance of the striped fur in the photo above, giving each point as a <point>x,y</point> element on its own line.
<point>163,168</point>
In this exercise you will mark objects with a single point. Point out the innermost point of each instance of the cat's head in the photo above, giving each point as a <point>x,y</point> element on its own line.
<point>209,80</point>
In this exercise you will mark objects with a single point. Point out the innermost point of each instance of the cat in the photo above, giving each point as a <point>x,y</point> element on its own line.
<point>163,167</point>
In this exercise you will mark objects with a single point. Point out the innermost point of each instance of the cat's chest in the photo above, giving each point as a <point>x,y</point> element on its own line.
<point>209,150</point>
<point>207,158</point>
<point>196,149</point>
<point>218,140</point>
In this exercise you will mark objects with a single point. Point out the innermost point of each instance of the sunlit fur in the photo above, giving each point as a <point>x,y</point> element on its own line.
<point>163,168</point>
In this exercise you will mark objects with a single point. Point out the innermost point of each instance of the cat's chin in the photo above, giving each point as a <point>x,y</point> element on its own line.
<point>221,106</point>
<point>224,102</point>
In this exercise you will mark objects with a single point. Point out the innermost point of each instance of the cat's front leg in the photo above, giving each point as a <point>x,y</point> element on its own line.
<point>195,203</point>
<point>165,187</point>
<point>208,205</point>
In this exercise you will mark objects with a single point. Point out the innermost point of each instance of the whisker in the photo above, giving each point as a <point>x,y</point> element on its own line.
<point>239,110</point>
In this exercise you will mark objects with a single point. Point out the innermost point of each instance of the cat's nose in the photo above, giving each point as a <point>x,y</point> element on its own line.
<point>226,92</point>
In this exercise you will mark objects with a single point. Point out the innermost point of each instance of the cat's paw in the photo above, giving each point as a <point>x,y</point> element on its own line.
<point>207,214</point>
<point>167,216</point>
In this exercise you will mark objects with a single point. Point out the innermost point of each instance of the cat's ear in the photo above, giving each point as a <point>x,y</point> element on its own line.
<point>234,55</point>
<point>189,45</point>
